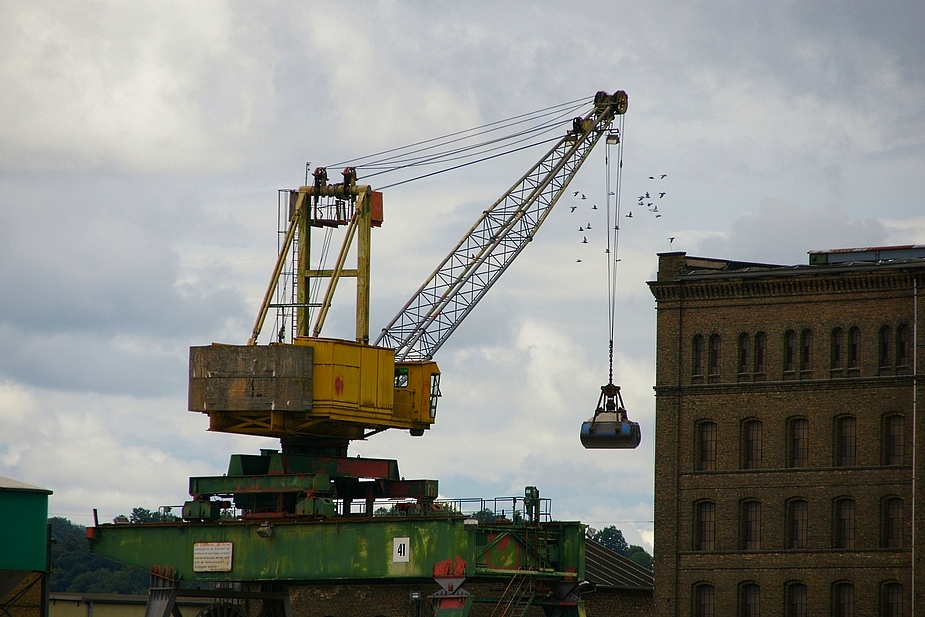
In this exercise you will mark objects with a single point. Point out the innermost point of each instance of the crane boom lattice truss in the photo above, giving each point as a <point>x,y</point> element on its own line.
<point>496,239</point>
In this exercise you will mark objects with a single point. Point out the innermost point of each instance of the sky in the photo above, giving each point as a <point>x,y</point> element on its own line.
<point>142,146</point>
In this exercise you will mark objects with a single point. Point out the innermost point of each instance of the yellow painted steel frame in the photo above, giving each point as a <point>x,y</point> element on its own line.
<point>359,385</point>
<point>359,227</point>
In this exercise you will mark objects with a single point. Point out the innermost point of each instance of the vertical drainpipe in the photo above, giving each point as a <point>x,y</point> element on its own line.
<point>915,377</point>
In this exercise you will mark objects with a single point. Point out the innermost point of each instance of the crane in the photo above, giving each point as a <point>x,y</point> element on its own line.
<point>393,383</point>
<point>310,513</point>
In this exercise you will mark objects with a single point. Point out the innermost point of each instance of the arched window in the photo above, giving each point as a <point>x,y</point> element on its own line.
<point>854,348</point>
<point>886,347</point>
<point>894,439</point>
<point>797,523</point>
<point>750,525</point>
<point>761,354</point>
<point>838,349</point>
<point>843,599</point>
<point>798,431</point>
<point>796,599</point>
<point>751,444</point>
<point>903,349</point>
<point>790,351</point>
<point>806,350</point>
<point>749,599</point>
<point>697,352</point>
<point>745,355</point>
<point>705,526</point>
<point>714,355</point>
<point>891,515</point>
<point>891,599</point>
<point>706,445</point>
<point>703,600</point>
<point>845,531</point>
<point>846,441</point>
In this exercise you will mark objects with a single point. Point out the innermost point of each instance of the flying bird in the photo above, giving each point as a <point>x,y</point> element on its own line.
<point>647,195</point>
<point>573,208</point>
<point>651,177</point>
<point>575,194</point>
<point>670,240</point>
<point>658,216</point>
<point>662,194</point>
<point>577,261</point>
<point>583,196</point>
<point>581,229</point>
<point>594,207</point>
<point>612,193</point>
<point>588,226</point>
<point>630,215</point>
<point>585,241</point>
<point>663,176</point>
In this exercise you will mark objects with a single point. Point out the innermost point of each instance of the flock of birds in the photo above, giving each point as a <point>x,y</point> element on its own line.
<point>647,200</point>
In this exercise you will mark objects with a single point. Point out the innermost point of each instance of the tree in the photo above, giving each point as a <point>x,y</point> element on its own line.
<point>612,538</point>
<point>143,515</point>
<point>75,569</point>
<point>639,555</point>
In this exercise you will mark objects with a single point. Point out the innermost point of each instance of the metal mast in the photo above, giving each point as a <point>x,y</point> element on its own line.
<point>496,239</point>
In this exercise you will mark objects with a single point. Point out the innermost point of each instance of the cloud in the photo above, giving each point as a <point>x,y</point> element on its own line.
<point>143,144</point>
<point>138,86</point>
<point>781,232</point>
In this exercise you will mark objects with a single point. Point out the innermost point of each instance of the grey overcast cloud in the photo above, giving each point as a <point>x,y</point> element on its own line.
<point>142,144</point>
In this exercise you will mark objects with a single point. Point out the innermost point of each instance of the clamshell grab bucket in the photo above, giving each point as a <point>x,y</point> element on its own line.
<point>609,428</point>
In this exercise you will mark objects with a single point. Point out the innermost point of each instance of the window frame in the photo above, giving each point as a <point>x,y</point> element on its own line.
<point>698,356</point>
<point>760,355</point>
<point>744,356</point>
<point>845,524</point>
<point>843,593</point>
<point>806,351</point>
<point>703,462</point>
<point>714,357</point>
<point>752,431</point>
<point>797,506</point>
<point>838,351</point>
<point>749,591</point>
<point>789,609</point>
<point>894,439</point>
<point>887,608</point>
<point>798,430</point>
<point>790,352</point>
<point>885,348</point>
<point>853,357</point>
<point>846,441</point>
<point>699,599</point>
<point>750,525</point>
<point>903,346</point>
<point>704,526</point>
<point>892,522</point>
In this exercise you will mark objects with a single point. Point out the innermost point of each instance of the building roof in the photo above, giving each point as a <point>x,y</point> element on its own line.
<point>8,484</point>
<point>607,568</point>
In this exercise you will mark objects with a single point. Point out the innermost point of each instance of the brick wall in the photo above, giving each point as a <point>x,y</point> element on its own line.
<point>728,305</point>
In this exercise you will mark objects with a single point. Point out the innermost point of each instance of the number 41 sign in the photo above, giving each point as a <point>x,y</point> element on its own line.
<point>401,549</point>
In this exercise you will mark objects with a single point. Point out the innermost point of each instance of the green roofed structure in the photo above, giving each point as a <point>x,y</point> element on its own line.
<point>23,533</point>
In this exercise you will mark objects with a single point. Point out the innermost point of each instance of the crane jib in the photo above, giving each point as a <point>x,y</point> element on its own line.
<point>495,240</point>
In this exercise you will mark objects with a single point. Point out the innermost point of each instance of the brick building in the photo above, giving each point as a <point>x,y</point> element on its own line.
<point>785,435</point>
